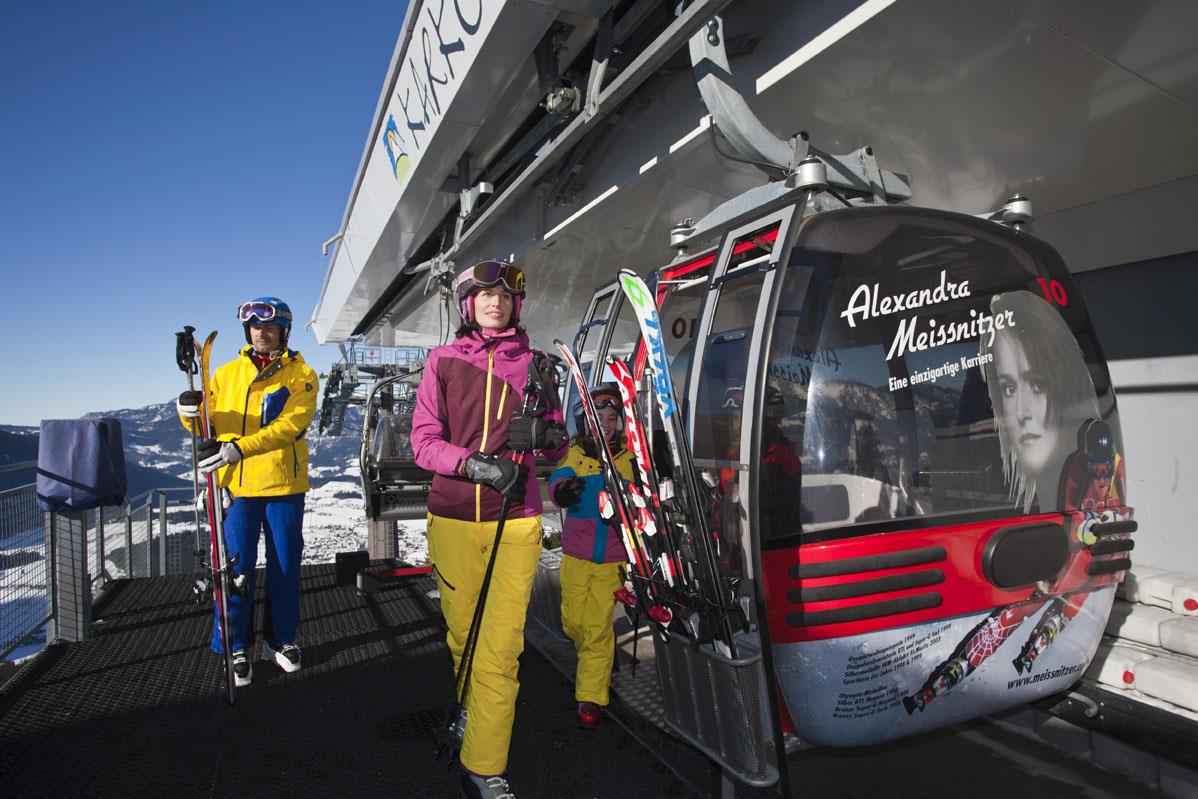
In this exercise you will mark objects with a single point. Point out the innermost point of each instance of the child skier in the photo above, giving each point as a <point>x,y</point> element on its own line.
<point>593,554</point>
<point>467,423</point>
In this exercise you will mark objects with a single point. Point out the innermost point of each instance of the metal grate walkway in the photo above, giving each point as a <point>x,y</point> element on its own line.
<point>139,710</point>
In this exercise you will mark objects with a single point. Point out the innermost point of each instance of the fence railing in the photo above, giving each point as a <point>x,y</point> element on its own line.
<point>152,534</point>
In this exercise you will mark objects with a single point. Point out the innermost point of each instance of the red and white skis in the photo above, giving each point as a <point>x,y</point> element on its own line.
<point>645,490</point>
<point>221,568</point>
<point>635,522</point>
<point>689,518</point>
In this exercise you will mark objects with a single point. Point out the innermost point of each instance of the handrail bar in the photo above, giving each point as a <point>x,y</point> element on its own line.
<point>8,492</point>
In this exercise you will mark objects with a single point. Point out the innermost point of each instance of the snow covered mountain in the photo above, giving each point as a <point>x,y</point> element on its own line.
<point>158,455</point>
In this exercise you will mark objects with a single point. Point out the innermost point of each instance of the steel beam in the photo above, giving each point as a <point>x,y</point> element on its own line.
<point>679,32</point>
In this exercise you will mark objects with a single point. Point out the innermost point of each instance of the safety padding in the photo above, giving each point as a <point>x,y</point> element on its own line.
<point>1157,589</point>
<point>1169,680</point>
<point>1180,635</point>
<point>1185,596</point>
<point>1025,554</point>
<point>80,464</point>
<point>1139,623</point>
<point>1115,665</point>
<point>1130,588</point>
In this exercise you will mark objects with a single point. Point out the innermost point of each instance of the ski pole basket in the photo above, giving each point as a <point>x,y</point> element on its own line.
<point>719,705</point>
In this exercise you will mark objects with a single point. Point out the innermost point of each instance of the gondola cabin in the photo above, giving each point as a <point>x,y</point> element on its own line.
<point>913,457</point>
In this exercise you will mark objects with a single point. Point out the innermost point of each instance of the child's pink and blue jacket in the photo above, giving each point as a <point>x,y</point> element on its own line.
<point>584,534</point>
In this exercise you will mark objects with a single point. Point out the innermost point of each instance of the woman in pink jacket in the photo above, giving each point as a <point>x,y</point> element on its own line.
<point>468,422</point>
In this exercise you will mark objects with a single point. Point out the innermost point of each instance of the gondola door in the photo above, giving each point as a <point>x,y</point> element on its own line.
<point>720,394</point>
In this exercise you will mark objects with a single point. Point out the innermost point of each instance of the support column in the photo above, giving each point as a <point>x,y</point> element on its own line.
<point>380,538</point>
<point>72,582</point>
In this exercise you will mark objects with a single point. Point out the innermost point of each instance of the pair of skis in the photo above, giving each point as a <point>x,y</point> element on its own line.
<point>681,566</point>
<point>621,507</point>
<point>218,575</point>
<point>681,499</point>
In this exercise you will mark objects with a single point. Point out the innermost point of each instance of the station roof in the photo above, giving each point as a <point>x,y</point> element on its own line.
<point>1088,107</point>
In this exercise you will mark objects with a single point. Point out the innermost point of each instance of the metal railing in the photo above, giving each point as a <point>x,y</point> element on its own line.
<point>153,534</point>
<point>25,602</point>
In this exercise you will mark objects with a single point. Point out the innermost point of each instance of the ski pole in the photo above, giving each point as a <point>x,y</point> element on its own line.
<point>185,357</point>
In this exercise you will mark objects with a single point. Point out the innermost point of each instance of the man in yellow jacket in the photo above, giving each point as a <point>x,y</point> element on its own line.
<point>261,405</point>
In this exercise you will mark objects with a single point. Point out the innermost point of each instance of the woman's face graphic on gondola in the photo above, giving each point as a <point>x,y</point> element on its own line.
<point>1023,392</point>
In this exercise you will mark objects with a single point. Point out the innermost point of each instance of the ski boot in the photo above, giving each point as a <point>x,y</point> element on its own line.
<point>243,669</point>
<point>286,656</point>
<point>589,714</point>
<point>475,786</point>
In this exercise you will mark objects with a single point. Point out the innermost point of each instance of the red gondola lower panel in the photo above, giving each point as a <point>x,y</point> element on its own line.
<point>882,636</point>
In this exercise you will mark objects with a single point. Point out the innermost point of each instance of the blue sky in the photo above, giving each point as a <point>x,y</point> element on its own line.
<point>160,163</point>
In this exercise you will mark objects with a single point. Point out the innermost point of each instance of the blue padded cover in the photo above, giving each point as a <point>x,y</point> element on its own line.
<point>80,464</point>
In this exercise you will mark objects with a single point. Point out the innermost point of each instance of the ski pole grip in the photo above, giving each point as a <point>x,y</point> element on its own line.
<point>185,349</point>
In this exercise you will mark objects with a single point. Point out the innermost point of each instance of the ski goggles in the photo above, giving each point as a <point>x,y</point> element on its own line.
<point>493,273</point>
<point>260,311</point>
<point>607,402</point>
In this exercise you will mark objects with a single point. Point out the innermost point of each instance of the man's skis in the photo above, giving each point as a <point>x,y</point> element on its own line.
<point>221,568</point>
<point>614,504</point>
<point>692,522</point>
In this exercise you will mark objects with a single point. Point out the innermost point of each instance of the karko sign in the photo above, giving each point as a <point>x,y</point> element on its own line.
<point>445,41</point>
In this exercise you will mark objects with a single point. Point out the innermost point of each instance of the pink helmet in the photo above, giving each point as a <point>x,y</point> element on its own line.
<point>483,275</point>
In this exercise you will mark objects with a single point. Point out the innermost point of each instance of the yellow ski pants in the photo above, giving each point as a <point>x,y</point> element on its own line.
<point>587,604</point>
<point>460,550</point>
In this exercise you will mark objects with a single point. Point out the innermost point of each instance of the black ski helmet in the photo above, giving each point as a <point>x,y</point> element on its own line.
<point>266,309</point>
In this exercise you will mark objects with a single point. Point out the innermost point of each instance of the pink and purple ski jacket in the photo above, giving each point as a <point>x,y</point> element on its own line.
<point>469,391</point>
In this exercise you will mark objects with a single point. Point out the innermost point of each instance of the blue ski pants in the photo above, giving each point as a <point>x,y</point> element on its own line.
<point>283,520</point>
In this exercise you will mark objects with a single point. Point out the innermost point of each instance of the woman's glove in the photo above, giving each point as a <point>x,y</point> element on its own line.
<point>503,474</point>
<point>527,433</point>
<point>568,492</point>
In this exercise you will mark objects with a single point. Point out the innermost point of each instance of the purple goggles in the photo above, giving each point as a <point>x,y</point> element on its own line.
<point>493,273</point>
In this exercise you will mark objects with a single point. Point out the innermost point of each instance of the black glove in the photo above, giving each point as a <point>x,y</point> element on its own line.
<point>189,403</point>
<point>503,474</point>
<point>568,492</point>
<point>212,454</point>
<point>527,433</point>
<point>206,448</point>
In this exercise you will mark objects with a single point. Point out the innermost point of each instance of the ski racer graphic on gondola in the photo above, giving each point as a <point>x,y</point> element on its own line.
<point>1043,401</point>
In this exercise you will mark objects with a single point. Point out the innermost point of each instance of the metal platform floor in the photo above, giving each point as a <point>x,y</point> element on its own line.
<point>139,710</point>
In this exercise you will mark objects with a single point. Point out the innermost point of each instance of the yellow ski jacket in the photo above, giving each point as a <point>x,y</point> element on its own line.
<point>267,413</point>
